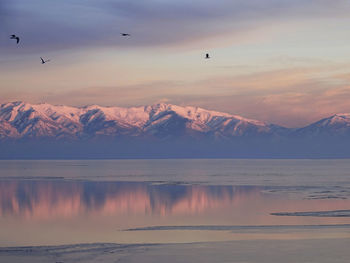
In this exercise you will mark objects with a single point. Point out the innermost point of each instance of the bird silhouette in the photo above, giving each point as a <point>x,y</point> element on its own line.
<point>44,61</point>
<point>207,56</point>
<point>15,37</point>
<point>125,34</point>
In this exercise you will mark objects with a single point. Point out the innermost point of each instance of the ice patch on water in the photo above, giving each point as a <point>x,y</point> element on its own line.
<point>335,213</point>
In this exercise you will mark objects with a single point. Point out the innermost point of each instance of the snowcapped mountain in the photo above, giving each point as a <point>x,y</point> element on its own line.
<point>336,125</point>
<point>19,120</point>
<point>45,131</point>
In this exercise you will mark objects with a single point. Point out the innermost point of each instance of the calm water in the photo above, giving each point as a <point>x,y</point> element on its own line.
<point>162,201</point>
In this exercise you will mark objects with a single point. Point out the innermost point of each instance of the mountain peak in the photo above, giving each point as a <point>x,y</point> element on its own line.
<point>336,119</point>
<point>342,115</point>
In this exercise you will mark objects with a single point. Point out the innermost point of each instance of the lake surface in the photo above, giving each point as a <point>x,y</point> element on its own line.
<point>162,201</point>
<point>173,201</point>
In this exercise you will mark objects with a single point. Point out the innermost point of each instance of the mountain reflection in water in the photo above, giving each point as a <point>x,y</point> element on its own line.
<point>66,199</point>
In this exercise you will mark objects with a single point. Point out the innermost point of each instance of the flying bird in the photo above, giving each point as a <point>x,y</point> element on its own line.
<point>207,56</point>
<point>125,34</point>
<point>15,37</point>
<point>44,61</point>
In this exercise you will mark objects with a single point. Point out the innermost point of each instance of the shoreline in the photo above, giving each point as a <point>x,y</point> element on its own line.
<point>254,251</point>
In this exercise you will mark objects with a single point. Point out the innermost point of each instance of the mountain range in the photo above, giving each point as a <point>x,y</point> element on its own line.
<point>159,124</point>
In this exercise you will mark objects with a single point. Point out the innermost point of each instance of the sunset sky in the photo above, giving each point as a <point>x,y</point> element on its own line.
<point>282,61</point>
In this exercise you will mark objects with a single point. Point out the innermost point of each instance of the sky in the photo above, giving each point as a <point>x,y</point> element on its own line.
<point>281,61</point>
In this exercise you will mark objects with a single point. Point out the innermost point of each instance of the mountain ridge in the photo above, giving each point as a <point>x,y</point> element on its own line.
<point>45,131</point>
<point>25,120</point>
<point>21,120</point>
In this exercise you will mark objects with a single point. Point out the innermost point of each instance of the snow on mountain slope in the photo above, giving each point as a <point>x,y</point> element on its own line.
<point>338,124</point>
<point>168,119</point>
<point>43,120</point>
<point>7,131</point>
<point>24,120</point>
